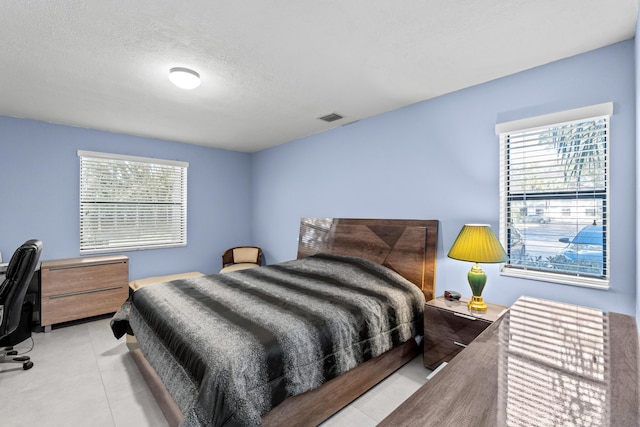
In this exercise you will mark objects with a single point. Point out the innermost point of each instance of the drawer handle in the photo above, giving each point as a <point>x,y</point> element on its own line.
<point>465,316</point>
<point>71,294</point>
<point>460,344</point>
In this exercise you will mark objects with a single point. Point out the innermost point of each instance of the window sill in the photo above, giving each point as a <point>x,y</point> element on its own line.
<point>583,282</point>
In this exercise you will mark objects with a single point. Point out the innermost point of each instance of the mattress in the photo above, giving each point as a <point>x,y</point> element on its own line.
<point>231,347</point>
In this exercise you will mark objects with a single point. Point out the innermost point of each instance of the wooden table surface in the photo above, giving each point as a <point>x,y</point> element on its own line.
<point>465,392</point>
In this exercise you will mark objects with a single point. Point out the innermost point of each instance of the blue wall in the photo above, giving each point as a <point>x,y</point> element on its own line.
<point>637,177</point>
<point>39,187</point>
<point>439,160</point>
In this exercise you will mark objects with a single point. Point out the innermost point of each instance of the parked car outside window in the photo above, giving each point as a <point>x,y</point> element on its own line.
<point>586,248</point>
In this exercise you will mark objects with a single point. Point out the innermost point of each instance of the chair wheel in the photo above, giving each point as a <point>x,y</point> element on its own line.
<point>27,365</point>
<point>12,353</point>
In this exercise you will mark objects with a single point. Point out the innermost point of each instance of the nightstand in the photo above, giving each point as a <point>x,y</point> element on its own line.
<point>449,327</point>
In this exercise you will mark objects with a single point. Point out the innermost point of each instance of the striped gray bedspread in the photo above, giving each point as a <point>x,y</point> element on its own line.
<point>231,347</point>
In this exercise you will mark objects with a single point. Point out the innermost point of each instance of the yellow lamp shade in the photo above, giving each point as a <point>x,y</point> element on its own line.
<point>477,243</point>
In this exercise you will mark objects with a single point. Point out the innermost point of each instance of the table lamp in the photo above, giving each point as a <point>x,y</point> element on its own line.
<point>477,243</point>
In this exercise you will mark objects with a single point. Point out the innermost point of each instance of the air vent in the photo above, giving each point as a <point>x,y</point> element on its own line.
<point>331,117</point>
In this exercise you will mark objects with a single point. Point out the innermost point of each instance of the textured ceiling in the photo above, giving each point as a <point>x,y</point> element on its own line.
<point>270,68</point>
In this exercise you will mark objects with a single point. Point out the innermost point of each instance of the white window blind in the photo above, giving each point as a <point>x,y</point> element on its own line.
<point>131,203</point>
<point>555,201</point>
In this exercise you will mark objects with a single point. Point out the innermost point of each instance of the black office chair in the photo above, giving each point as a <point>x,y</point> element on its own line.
<point>12,292</point>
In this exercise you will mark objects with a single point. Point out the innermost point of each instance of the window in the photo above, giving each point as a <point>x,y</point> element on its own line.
<point>554,198</point>
<point>130,203</point>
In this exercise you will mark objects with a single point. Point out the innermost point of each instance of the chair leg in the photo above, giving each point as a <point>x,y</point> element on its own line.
<point>7,352</point>
<point>25,360</point>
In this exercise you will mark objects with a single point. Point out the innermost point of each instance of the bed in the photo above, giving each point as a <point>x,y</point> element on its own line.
<point>291,343</point>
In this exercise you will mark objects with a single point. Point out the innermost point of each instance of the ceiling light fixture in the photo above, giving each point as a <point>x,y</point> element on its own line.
<point>184,78</point>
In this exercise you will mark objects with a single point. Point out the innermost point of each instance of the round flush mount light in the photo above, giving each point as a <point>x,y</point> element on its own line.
<point>184,78</point>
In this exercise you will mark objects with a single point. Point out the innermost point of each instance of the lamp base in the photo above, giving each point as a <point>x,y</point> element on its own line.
<point>477,304</point>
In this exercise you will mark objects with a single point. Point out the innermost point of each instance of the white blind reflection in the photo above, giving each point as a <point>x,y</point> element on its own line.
<point>314,232</point>
<point>552,368</point>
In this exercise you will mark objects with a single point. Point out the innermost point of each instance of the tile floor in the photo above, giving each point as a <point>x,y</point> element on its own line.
<point>83,376</point>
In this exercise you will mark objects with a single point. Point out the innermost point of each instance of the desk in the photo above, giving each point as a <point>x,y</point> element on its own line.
<point>543,361</point>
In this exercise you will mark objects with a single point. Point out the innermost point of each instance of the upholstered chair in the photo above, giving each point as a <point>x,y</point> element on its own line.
<point>240,258</point>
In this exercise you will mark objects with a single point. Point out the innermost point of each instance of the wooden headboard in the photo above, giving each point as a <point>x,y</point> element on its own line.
<point>406,246</point>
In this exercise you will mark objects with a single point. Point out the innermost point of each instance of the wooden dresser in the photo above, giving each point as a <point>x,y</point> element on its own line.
<point>77,288</point>
<point>542,363</point>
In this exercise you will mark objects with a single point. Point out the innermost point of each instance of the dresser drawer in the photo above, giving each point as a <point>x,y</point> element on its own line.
<point>72,280</point>
<point>58,309</point>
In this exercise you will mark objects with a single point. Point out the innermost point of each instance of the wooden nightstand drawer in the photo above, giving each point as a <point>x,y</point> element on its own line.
<point>449,327</point>
<point>454,326</point>
<point>437,352</point>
